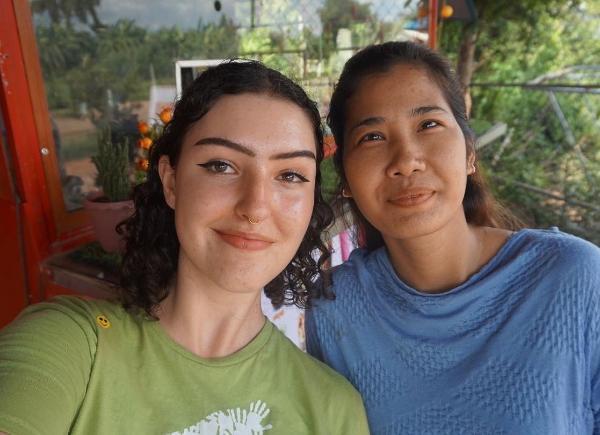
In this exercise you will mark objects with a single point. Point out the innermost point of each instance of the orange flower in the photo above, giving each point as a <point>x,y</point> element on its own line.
<point>143,127</point>
<point>329,146</point>
<point>145,143</point>
<point>143,164</point>
<point>165,115</point>
<point>446,11</point>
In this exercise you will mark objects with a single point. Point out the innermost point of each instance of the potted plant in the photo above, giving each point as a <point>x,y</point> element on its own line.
<point>116,176</point>
<point>111,204</point>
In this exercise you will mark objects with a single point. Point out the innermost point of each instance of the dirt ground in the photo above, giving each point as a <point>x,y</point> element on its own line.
<point>84,169</point>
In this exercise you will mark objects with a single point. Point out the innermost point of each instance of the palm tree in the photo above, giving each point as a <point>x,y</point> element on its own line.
<point>64,10</point>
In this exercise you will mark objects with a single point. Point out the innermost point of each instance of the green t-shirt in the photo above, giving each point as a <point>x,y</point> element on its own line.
<point>89,367</point>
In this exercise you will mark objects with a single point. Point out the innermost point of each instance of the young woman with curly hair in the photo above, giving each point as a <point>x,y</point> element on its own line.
<point>451,320</point>
<point>232,204</point>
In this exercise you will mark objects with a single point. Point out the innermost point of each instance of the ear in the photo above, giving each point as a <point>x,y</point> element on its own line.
<point>166,173</point>
<point>471,163</point>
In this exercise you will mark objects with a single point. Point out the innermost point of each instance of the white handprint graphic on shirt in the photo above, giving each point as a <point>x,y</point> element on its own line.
<point>258,412</point>
<point>232,422</point>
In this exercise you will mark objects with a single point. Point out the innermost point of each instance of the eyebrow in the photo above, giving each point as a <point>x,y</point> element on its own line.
<point>219,141</point>
<point>227,144</point>
<point>374,120</point>
<point>413,113</point>
<point>294,154</point>
<point>422,110</point>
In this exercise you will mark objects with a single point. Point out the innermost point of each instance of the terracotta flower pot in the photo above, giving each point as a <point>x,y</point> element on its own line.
<point>105,216</point>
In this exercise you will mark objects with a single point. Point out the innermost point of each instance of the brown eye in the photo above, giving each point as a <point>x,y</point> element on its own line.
<point>371,137</point>
<point>426,125</point>
<point>217,166</point>
<point>293,177</point>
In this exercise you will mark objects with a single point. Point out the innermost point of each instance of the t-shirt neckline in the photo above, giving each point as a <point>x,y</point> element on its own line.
<point>254,346</point>
<point>385,262</point>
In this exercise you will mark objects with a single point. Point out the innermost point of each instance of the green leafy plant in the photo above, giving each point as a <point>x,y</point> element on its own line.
<point>113,166</point>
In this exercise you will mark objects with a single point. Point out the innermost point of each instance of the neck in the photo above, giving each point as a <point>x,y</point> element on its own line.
<point>444,259</point>
<point>208,320</point>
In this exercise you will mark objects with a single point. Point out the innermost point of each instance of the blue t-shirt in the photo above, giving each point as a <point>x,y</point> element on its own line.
<point>513,350</point>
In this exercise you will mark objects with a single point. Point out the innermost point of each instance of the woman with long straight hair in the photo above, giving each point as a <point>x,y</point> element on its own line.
<point>451,319</point>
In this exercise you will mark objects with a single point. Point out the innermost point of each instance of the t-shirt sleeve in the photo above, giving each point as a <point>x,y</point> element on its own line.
<point>590,276</point>
<point>46,357</point>
<point>594,334</point>
<point>352,420</point>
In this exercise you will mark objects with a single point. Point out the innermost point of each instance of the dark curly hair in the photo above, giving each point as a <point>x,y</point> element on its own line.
<point>152,247</point>
<point>479,205</point>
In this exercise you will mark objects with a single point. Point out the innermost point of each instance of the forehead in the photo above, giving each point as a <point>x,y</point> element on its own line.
<point>401,87</point>
<point>259,121</point>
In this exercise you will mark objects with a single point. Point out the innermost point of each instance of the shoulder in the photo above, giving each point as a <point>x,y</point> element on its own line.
<point>350,278</point>
<point>325,393</point>
<point>46,358</point>
<point>564,250</point>
<point>561,264</point>
<point>571,278</point>
<point>353,285</point>
<point>68,316</point>
<point>76,308</point>
<point>75,305</point>
<point>316,376</point>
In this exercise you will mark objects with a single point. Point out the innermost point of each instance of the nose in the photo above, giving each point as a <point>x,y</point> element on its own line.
<point>254,202</point>
<point>405,158</point>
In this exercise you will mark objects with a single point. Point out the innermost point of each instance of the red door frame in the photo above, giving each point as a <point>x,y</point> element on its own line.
<point>23,146</point>
<point>70,227</point>
<point>13,292</point>
<point>44,227</point>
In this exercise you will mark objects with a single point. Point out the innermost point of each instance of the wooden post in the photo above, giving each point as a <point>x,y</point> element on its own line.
<point>433,23</point>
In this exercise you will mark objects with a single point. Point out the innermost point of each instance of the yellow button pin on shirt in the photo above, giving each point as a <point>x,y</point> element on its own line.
<point>103,321</point>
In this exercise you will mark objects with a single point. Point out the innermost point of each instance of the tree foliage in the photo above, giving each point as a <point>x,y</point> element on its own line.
<point>338,14</point>
<point>79,66</point>
<point>60,11</point>
<point>549,171</point>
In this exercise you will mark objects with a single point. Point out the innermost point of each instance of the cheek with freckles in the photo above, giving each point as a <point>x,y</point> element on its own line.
<point>294,211</point>
<point>299,206</point>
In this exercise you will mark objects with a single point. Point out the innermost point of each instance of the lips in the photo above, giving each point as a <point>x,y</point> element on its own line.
<point>245,241</point>
<point>412,197</point>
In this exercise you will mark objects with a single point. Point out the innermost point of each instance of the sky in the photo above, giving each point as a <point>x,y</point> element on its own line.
<point>159,13</point>
<point>187,13</point>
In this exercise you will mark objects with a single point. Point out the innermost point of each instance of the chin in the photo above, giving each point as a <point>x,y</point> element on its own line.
<point>242,281</point>
<point>241,286</point>
<point>414,226</point>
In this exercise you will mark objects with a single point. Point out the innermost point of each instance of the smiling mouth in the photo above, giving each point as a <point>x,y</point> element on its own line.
<point>411,199</point>
<point>245,242</point>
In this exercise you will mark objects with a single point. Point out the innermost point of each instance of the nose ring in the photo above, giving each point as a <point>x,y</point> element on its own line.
<point>251,221</point>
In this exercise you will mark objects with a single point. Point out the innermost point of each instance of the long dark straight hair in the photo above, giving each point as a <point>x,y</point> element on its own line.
<point>479,205</point>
